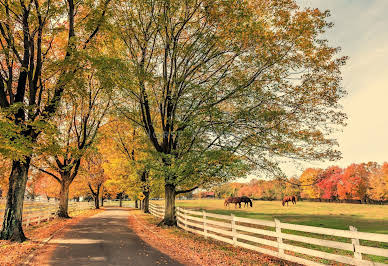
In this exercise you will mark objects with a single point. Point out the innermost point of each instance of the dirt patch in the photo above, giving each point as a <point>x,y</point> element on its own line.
<point>191,249</point>
<point>20,253</point>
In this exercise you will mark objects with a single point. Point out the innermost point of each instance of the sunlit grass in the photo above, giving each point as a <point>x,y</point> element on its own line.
<point>366,218</point>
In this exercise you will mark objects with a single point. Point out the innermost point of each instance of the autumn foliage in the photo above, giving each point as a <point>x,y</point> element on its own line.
<point>363,182</point>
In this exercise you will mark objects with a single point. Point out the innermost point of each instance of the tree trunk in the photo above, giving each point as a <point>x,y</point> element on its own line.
<point>121,199</point>
<point>64,199</point>
<point>146,201</point>
<point>102,196</point>
<point>96,202</point>
<point>12,225</point>
<point>97,197</point>
<point>169,213</point>
<point>136,204</point>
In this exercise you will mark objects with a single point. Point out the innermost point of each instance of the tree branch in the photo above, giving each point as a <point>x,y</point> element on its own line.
<point>185,191</point>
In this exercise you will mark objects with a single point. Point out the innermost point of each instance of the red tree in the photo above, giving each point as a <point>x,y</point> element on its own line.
<point>330,179</point>
<point>354,182</point>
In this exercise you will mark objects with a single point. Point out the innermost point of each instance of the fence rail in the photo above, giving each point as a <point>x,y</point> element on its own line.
<point>278,239</point>
<point>37,212</point>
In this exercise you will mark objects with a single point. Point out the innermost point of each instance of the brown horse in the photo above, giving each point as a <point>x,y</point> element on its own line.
<point>247,201</point>
<point>289,198</point>
<point>235,200</point>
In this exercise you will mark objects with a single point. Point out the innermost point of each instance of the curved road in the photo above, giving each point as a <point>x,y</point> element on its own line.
<point>105,239</point>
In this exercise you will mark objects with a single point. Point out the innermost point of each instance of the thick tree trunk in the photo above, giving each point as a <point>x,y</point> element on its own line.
<point>146,201</point>
<point>121,199</point>
<point>12,225</point>
<point>136,204</point>
<point>169,213</point>
<point>64,199</point>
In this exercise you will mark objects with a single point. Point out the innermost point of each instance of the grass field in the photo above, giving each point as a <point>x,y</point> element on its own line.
<point>367,218</point>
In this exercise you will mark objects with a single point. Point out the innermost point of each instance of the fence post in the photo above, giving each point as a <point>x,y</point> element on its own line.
<point>356,244</point>
<point>279,237</point>
<point>204,223</point>
<point>185,214</point>
<point>234,229</point>
<point>177,210</point>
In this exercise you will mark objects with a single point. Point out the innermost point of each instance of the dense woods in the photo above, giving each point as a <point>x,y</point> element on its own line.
<point>143,98</point>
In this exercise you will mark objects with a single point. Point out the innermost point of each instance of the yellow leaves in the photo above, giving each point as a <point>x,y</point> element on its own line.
<point>308,178</point>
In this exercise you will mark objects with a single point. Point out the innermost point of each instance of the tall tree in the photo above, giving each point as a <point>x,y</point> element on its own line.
<point>33,35</point>
<point>218,82</point>
<point>78,122</point>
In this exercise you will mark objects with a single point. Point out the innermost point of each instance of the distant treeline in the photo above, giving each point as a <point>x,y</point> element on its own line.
<point>365,183</point>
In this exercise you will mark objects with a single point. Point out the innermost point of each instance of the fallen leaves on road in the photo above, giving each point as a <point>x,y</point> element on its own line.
<point>17,253</point>
<point>191,249</point>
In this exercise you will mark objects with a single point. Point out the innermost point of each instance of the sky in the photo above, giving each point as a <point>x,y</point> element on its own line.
<point>361,30</point>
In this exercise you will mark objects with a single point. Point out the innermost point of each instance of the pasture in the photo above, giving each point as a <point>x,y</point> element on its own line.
<point>367,218</point>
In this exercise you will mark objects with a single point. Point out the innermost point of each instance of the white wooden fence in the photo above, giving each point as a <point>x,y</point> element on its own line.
<point>37,212</point>
<point>274,241</point>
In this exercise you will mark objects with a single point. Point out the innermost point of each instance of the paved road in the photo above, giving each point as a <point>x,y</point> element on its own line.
<point>105,239</point>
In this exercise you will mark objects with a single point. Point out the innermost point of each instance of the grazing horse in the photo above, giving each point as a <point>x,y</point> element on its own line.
<point>247,201</point>
<point>235,200</point>
<point>289,198</point>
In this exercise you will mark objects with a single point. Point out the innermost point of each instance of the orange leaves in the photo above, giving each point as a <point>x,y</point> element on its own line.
<point>46,185</point>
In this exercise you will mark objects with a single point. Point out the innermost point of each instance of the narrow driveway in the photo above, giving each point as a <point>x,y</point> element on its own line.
<point>105,239</point>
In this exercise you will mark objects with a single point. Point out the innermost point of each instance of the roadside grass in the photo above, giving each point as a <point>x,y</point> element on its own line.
<point>366,218</point>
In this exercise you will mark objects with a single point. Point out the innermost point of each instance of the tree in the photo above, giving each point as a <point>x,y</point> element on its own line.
<point>328,185</point>
<point>78,122</point>
<point>219,85</point>
<point>95,176</point>
<point>354,181</point>
<point>33,35</point>
<point>308,180</point>
<point>124,141</point>
<point>378,183</point>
